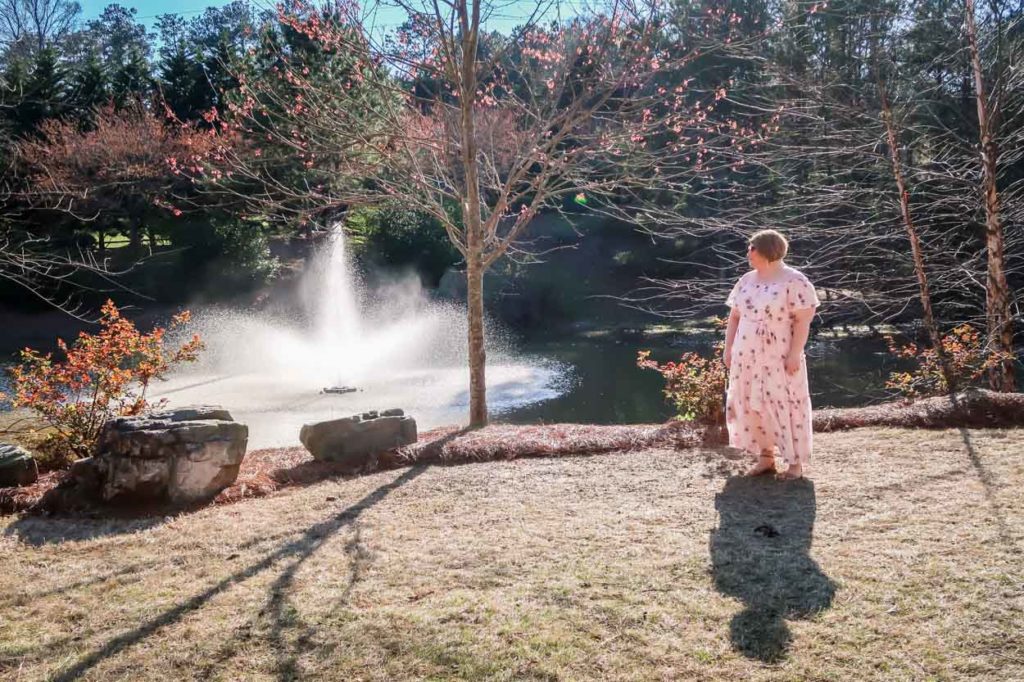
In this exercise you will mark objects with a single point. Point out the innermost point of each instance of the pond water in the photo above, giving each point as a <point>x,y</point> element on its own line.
<point>581,380</point>
<point>600,383</point>
<point>553,380</point>
<point>400,347</point>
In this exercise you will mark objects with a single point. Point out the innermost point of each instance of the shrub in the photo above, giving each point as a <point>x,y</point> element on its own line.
<point>223,252</point>
<point>965,352</point>
<point>102,376</point>
<point>397,236</point>
<point>694,385</point>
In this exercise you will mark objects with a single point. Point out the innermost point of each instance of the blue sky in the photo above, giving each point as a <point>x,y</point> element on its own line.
<point>149,10</point>
<point>512,12</point>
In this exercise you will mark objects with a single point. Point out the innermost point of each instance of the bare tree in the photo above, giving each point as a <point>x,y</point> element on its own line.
<point>857,174</point>
<point>892,137</point>
<point>998,299</point>
<point>481,131</point>
<point>35,23</point>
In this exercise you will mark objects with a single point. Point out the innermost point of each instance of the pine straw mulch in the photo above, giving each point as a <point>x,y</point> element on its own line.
<point>31,497</point>
<point>974,408</point>
<point>264,472</point>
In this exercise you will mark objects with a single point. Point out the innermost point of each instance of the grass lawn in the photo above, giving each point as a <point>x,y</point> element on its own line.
<point>900,560</point>
<point>16,427</point>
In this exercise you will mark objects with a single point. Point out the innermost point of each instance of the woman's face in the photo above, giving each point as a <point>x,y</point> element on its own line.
<point>756,260</point>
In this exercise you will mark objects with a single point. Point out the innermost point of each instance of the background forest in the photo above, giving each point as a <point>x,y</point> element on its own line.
<point>887,144</point>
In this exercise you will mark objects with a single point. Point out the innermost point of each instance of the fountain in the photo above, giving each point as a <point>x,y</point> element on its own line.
<point>392,343</point>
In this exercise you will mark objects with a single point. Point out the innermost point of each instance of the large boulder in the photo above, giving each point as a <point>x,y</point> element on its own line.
<point>17,467</point>
<point>179,456</point>
<point>353,440</point>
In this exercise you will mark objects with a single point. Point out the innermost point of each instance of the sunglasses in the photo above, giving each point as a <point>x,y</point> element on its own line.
<point>751,248</point>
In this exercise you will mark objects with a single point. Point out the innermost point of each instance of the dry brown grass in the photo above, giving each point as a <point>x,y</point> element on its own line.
<point>19,427</point>
<point>652,564</point>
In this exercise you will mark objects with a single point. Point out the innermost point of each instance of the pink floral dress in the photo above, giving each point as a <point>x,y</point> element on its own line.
<point>765,406</point>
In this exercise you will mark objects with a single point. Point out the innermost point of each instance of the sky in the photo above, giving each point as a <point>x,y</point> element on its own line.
<point>149,10</point>
<point>512,12</point>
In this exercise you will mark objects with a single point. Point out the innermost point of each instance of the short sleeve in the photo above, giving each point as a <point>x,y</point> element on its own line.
<point>800,294</point>
<point>731,298</point>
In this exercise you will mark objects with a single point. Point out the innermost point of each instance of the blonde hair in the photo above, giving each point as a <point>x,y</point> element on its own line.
<point>770,244</point>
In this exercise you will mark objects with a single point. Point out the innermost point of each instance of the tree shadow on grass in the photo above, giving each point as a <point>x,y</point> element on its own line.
<point>284,617</point>
<point>760,555</point>
<point>990,486</point>
<point>298,550</point>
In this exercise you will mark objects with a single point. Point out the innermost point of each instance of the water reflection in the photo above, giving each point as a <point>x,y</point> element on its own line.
<point>604,385</point>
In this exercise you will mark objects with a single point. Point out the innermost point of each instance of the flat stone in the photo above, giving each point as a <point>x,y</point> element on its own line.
<point>17,466</point>
<point>85,474</point>
<point>354,440</point>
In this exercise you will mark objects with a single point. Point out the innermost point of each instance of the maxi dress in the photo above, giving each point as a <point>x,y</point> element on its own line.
<point>765,406</point>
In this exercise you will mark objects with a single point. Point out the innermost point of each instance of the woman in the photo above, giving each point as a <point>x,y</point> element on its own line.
<point>768,403</point>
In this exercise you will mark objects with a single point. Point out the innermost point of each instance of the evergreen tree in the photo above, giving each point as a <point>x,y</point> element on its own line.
<point>44,95</point>
<point>123,45</point>
<point>90,88</point>
<point>179,81</point>
<point>131,81</point>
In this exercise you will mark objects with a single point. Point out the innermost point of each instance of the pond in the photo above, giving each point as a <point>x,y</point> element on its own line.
<point>572,379</point>
<point>398,346</point>
<point>601,384</point>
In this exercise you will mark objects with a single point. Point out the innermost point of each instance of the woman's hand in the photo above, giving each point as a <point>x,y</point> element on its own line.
<point>793,362</point>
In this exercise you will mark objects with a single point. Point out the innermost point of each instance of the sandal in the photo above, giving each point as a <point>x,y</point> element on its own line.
<point>765,463</point>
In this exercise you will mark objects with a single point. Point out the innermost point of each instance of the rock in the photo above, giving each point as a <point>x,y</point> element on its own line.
<point>17,466</point>
<point>353,440</point>
<point>179,456</point>
<point>85,474</point>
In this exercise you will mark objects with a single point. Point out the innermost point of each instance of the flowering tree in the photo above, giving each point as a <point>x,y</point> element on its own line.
<point>480,130</point>
<point>120,167</point>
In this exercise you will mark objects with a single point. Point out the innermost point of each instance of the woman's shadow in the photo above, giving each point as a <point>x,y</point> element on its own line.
<point>760,555</point>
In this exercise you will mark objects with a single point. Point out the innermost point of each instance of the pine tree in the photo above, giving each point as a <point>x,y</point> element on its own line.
<point>131,81</point>
<point>45,93</point>
<point>90,89</point>
<point>180,81</point>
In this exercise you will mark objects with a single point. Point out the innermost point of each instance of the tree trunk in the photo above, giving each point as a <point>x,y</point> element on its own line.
<point>135,240</point>
<point>915,240</point>
<point>471,217</point>
<point>997,290</point>
<point>477,351</point>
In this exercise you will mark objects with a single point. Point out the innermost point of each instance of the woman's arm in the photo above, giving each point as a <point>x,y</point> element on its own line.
<point>730,335</point>
<point>801,328</point>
